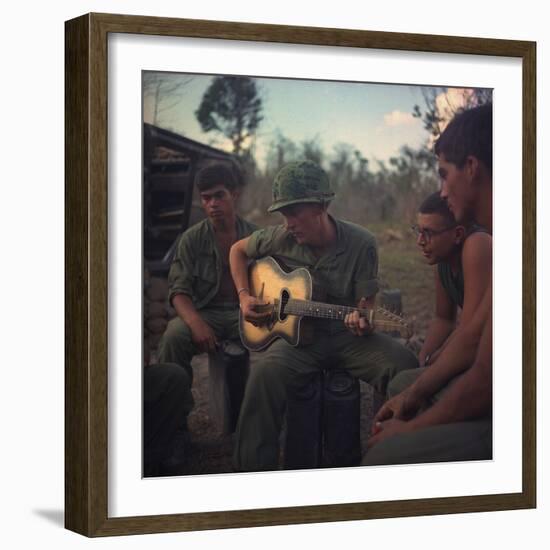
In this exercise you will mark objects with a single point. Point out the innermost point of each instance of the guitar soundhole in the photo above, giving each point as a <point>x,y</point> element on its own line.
<point>285,296</point>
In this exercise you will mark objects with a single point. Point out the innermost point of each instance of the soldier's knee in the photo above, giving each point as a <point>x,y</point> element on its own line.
<point>403,358</point>
<point>410,360</point>
<point>401,381</point>
<point>386,452</point>
<point>176,332</point>
<point>177,376</point>
<point>265,373</point>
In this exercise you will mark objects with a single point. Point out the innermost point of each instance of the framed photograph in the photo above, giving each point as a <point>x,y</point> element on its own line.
<point>367,106</point>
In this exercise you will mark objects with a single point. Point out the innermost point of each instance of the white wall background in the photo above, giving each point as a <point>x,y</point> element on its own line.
<point>31,141</point>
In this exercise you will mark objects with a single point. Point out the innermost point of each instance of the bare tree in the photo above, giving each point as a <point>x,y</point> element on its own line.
<point>165,91</point>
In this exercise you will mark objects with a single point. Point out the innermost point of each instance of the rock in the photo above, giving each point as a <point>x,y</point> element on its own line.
<point>157,310</point>
<point>146,278</point>
<point>154,340</point>
<point>157,325</point>
<point>390,235</point>
<point>158,289</point>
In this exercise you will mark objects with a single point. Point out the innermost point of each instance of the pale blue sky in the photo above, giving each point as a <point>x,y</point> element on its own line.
<point>374,118</point>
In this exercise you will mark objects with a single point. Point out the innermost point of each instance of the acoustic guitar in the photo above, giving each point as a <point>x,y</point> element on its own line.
<point>288,300</point>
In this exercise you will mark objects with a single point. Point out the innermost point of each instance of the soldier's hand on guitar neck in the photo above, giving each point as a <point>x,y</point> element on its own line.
<point>249,305</point>
<point>355,323</point>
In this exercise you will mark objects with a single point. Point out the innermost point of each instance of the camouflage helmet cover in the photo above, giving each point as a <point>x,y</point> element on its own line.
<point>299,182</point>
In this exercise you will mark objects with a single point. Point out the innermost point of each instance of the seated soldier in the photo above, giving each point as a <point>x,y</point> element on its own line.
<point>342,259</point>
<point>445,414</point>
<point>462,269</point>
<point>167,400</point>
<point>201,288</point>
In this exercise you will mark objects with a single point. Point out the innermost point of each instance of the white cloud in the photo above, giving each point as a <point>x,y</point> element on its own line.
<point>399,118</point>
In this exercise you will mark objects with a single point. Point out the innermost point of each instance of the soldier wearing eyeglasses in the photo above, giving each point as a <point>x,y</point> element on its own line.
<point>445,411</point>
<point>461,256</point>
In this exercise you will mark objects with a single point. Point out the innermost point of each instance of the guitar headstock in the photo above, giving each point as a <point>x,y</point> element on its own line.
<point>386,321</point>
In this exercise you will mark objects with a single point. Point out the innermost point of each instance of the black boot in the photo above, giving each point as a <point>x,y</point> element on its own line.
<point>176,461</point>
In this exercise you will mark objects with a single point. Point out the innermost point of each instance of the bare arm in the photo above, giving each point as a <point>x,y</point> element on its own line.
<point>470,396</point>
<point>185,309</point>
<point>238,262</point>
<point>477,268</point>
<point>459,351</point>
<point>442,324</point>
<point>458,354</point>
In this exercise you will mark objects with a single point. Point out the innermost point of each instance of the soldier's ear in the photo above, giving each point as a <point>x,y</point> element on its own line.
<point>472,167</point>
<point>460,234</point>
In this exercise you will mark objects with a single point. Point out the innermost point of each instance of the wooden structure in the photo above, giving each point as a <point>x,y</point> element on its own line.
<point>170,162</point>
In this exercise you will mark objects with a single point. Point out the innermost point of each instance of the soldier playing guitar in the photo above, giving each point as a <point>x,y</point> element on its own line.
<point>342,258</point>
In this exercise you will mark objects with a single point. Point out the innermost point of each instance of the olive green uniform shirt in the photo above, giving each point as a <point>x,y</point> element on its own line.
<point>346,273</point>
<point>197,266</point>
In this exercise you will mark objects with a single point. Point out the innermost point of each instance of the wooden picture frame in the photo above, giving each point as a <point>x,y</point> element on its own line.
<point>86,223</point>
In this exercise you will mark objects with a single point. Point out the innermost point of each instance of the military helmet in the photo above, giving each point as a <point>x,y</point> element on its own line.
<point>299,182</point>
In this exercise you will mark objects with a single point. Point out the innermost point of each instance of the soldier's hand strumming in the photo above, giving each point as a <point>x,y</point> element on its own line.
<point>249,307</point>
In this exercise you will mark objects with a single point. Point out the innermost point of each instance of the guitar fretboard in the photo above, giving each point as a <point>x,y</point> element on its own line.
<point>384,320</point>
<point>319,309</point>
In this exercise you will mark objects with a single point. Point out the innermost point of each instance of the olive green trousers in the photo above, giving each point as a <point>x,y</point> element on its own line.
<point>442,443</point>
<point>374,358</point>
<point>167,400</point>
<point>176,344</point>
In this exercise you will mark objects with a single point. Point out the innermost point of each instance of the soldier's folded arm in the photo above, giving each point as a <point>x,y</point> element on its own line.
<point>458,355</point>
<point>180,279</point>
<point>470,396</point>
<point>201,332</point>
<point>442,324</point>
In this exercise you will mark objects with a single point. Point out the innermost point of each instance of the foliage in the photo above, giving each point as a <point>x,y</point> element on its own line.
<point>393,191</point>
<point>441,104</point>
<point>232,106</point>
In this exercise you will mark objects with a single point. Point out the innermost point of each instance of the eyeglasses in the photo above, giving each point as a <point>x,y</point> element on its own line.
<point>427,234</point>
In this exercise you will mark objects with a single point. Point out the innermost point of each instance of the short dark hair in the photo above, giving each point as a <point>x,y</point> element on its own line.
<point>469,133</point>
<point>434,204</point>
<point>216,174</point>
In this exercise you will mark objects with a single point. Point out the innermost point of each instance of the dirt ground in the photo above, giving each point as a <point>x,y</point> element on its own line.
<point>401,266</point>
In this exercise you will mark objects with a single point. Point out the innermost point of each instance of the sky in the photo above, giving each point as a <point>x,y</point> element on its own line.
<point>374,118</point>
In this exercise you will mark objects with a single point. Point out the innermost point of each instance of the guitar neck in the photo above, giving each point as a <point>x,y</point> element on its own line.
<point>379,318</point>
<point>308,308</point>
